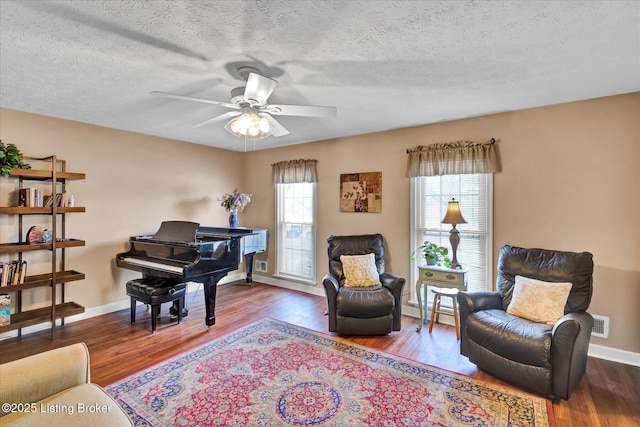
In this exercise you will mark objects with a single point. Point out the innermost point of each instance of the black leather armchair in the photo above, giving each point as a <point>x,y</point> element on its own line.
<point>546,359</point>
<point>361,311</point>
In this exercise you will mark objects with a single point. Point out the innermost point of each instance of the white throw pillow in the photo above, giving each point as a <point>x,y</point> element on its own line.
<point>538,301</point>
<point>360,271</point>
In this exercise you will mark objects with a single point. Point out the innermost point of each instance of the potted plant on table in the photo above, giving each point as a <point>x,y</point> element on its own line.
<point>434,254</point>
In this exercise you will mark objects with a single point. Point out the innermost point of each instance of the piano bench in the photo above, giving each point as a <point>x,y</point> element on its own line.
<point>154,291</point>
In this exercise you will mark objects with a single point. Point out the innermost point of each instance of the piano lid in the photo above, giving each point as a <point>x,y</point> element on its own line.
<point>227,233</point>
<point>177,231</point>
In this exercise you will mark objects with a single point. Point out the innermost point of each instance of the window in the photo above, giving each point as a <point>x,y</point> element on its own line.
<point>429,199</point>
<point>295,231</point>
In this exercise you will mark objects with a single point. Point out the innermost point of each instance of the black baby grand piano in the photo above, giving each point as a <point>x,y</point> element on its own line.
<point>189,252</point>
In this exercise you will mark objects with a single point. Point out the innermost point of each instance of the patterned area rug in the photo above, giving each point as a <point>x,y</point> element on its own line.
<point>276,374</point>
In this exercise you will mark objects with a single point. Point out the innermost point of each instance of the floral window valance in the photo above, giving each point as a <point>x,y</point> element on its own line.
<point>453,158</point>
<point>293,171</point>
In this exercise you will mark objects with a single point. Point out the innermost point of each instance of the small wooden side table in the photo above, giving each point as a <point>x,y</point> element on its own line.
<point>440,277</point>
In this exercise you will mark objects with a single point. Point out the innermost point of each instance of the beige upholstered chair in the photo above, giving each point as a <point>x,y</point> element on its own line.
<point>57,386</point>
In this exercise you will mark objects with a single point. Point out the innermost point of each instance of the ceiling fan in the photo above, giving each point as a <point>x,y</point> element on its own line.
<point>252,114</point>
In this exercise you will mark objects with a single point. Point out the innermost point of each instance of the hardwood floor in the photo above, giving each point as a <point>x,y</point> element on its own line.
<point>608,395</point>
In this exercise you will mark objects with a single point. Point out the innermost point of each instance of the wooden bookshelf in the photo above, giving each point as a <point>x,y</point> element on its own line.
<point>40,315</point>
<point>58,276</point>
<point>21,210</point>
<point>7,248</point>
<point>39,280</point>
<point>45,175</point>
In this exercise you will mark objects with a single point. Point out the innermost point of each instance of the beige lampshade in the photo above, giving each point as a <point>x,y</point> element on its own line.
<point>453,215</point>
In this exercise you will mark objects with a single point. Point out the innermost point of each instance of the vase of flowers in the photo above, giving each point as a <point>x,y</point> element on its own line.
<point>234,202</point>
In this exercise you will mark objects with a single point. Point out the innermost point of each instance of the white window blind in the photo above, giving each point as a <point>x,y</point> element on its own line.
<point>430,196</point>
<point>295,231</point>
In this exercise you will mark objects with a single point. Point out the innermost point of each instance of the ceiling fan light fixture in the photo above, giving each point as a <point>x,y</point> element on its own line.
<point>251,125</point>
<point>264,125</point>
<point>252,118</point>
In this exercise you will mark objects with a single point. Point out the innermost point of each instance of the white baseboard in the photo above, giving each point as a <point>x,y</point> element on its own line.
<point>288,284</point>
<point>411,311</point>
<point>614,354</point>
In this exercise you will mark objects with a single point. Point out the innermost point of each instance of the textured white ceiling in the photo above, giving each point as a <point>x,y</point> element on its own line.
<point>383,64</point>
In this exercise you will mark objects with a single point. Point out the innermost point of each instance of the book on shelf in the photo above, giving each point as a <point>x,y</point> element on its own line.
<point>22,197</point>
<point>13,273</point>
<point>5,309</point>
<point>23,272</point>
<point>30,197</point>
<point>34,198</point>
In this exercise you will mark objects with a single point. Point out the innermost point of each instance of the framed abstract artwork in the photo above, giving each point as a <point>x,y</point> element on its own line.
<point>361,192</point>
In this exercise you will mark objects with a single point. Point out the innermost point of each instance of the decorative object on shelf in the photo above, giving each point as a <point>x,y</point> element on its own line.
<point>234,203</point>
<point>361,192</point>
<point>434,254</point>
<point>454,217</point>
<point>37,234</point>
<point>5,309</point>
<point>10,158</point>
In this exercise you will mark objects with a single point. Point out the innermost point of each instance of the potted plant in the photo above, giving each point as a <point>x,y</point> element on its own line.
<point>10,158</point>
<point>434,254</point>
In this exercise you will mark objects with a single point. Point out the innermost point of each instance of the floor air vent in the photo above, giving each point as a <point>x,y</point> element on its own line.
<point>600,326</point>
<point>260,266</point>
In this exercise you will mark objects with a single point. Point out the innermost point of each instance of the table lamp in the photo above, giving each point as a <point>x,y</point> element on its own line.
<point>454,217</point>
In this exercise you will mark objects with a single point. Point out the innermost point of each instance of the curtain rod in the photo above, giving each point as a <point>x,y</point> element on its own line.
<point>491,141</point>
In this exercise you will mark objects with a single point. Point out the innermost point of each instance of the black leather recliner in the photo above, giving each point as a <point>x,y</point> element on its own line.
<point>361,311</point>
<point>546,359</point>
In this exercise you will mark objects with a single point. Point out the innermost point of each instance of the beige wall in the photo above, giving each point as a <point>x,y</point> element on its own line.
<point>570,181</point>
<point>133,182</point>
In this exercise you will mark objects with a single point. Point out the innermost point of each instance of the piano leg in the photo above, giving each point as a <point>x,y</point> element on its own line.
<point>248,266</point>
<point>210,288</point>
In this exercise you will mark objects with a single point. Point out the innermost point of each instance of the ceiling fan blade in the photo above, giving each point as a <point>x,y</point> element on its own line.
<point>277,128</point>
<point>301,110</point>
<point>224,116</point>
<point>259,88</point>
<point>191,98</point>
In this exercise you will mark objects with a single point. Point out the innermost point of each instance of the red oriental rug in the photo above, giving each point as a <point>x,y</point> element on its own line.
<point>272,373</point>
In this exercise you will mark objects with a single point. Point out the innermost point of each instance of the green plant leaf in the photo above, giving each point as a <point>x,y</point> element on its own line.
<point>10,158</point>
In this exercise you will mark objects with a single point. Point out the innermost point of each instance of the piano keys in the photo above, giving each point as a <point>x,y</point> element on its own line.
<point>189,252</point>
